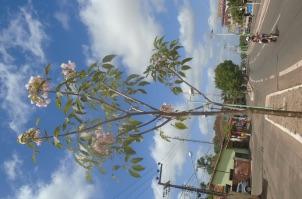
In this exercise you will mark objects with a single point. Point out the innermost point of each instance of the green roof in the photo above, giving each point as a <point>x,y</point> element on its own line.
<point>221,175</point>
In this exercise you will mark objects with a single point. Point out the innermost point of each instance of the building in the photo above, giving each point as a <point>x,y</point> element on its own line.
<point>232,170</point>
<point>232,167</point>
<point>224,12</point>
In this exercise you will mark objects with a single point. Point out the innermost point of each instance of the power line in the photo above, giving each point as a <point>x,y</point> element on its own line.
<point>187,184</point>
<point>148,172</point>
<point>171,157</point>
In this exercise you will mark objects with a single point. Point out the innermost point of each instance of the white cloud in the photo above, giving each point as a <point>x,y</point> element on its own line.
<point>24,32</point>
<point>212,20</point>
<point>193,47</point>
<point>120,27</point>
<point>159,5</point>
<point>202,51</point>
<point>187,27</point>
<point>12,167</point>
<point>68,182</point>
<point>12,93</point>
<point>25,35</point>
<point>63,18</point>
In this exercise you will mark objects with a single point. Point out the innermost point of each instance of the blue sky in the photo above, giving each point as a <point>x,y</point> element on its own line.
<point>34,33</point>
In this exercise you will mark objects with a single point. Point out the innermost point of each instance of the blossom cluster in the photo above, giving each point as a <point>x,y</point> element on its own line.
<point>166,108</point>
<point>38,91</point>
<point>159,59</point>
<point>68,69</point>
<point>31,135</point>
<point>102,142</point>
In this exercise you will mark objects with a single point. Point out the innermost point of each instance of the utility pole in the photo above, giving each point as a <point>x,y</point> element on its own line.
<point>167,185</point>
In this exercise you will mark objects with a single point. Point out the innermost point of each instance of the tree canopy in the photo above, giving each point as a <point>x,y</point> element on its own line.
<point>205,162</point>
<point>229,78</point>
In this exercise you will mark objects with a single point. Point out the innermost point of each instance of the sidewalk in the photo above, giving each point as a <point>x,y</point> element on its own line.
<point>288,99</point>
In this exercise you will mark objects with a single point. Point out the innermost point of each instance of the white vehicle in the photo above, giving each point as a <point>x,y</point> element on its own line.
<point>243,187</point>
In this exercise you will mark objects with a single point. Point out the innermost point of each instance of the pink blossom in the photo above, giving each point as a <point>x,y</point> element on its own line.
<point>38,91</point>
<point>31,135</point>
<point>103,150</point>
<point>166,108</point>
<point>68,69</point>
<point>56,140</point>
<point>102,142</point>
<point>105,138</point>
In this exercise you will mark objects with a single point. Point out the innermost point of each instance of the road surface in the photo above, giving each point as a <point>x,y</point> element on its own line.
<point>276,151</point>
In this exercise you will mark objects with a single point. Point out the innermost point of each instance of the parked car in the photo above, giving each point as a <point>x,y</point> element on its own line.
<point>243,187</point>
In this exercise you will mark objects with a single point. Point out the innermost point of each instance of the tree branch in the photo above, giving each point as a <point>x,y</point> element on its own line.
<point>128,97</point>
<point>152,129</point>
<point>139,126</point>
<point>194,88</point>
<point>91,97</point>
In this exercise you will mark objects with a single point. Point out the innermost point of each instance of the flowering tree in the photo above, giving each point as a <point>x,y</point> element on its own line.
<point>103,116</point>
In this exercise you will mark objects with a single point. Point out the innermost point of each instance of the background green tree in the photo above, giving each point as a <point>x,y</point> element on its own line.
<point>230,79</point>
<point>205,162</point>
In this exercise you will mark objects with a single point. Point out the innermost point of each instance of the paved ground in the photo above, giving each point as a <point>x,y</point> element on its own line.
<point>276,156</point>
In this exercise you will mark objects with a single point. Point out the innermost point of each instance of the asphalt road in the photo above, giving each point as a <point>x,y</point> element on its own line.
<point>276,156</point>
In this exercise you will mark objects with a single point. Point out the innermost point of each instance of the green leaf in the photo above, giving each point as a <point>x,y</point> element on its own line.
<point>47,69</point>
<point>91,67</point>
<point>57,143</point>
<point>108,66</point>
<point>185,67</point>
<point>34,157</point>
<point>88,176</point>
<point>186,60</point>
<point>134,122</point>
<point>102,170</point>
<point>127,157</point>
<point>180,125</point>
<point>116,167</point>
<point>182,74</point>
<point>84,98</point>
<point>108,58</point>
<point>67,106</point>
<point>142,91</point>
<point>58,101</point>
<point>129,150</point>
<point>85,86</point>
<point>134,174</point>
<point>181,118</point>
<point>130,77</point>
<point>73,115</point>
<point>136,160</point>
<point>56,132</point>
<point>176,90</point>
<point>178,81</point>
<point>137,138</point>
<point>138,167</point>
<point>143,83</point>
<point>163,136</point>
<point>83,149</point>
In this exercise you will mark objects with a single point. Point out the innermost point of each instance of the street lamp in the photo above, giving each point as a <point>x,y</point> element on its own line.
<point>223,34</point>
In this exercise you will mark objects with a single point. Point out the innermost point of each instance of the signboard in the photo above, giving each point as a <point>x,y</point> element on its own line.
<point>249,8</point>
